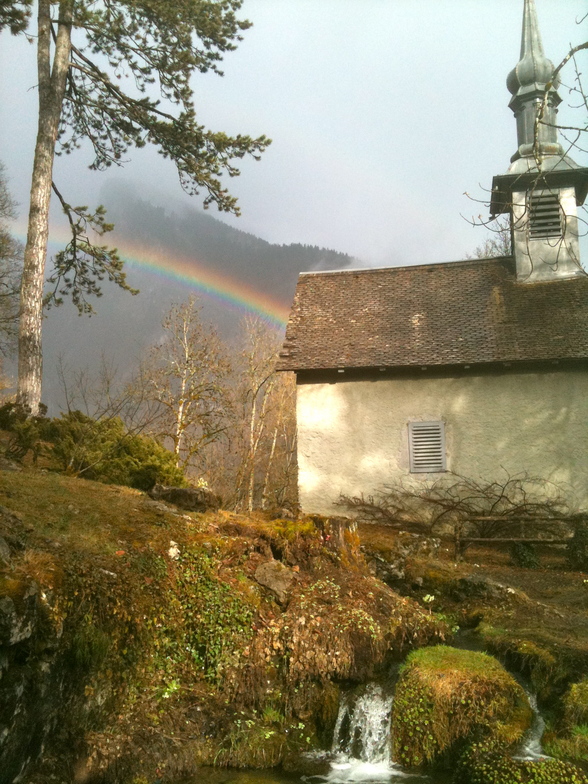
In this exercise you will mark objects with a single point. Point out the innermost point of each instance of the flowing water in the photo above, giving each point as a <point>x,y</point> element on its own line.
<point>361,752</point>
<point>531,744</point>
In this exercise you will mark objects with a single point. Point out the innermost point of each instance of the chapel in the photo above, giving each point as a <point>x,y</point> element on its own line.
<point>475,367</point>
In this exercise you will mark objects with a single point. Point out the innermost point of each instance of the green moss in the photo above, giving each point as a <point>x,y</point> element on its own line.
<point>571,741</point>
<point>575,703</point>
<point>445,696</point>
<point>574,745</point>
<point>526,655</point>
<point>484,763</point>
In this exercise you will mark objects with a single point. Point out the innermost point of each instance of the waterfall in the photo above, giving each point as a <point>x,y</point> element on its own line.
<point>530,748</point>
<point>362,730</point>
<point>361,750</point>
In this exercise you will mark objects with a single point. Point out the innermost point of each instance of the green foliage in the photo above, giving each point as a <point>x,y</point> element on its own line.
<point>105,451</point>
<point>15,14</point>
<point>445,696</point>
<point>487,763</point>
<point>525,555</point>
<point>208,622</point>
<point>79,269</point>
<point>102,450</point>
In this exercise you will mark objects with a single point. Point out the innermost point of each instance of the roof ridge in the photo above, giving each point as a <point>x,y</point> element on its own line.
<point>437,264</point>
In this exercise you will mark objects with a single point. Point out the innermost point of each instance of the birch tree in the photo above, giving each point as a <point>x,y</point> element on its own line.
<point>88,52</point>
<point>185,376</point>
<point>264,419</point>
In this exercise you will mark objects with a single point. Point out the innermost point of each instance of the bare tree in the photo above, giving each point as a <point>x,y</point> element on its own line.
<point>104,393</point>
<point>488,508</point>
<point>498,242</point>
<point>185,377</point>
<point>264,429</point>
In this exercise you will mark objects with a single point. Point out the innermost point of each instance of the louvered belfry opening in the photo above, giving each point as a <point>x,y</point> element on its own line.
<point>544,215</point>
<point>426,442</point>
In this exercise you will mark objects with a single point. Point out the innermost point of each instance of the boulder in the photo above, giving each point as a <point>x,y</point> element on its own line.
<point>446,697</point>
<point>192,499</point>
<point>8,465</point>
<point>277,577</point>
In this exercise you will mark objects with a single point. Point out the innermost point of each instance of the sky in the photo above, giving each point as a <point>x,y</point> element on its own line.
<point>383,114</point>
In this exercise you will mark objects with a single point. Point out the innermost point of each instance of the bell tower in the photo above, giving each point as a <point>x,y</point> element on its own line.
<point>543,186</point>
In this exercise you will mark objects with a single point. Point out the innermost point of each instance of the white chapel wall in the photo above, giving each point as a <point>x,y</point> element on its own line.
<point>352,435</point>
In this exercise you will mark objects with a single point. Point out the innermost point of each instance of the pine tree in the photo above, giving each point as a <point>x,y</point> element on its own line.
<point>88,52</point>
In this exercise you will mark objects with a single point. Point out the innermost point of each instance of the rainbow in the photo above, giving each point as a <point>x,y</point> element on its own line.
<point>194,274</point>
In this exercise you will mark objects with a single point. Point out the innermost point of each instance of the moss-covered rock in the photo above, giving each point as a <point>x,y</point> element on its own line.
<point>446,696</point>
<point>485,763</point>
<point>570,740</point>
<point>575,704</point>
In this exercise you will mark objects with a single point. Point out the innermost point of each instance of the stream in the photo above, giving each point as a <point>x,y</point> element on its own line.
<point>361,751</point>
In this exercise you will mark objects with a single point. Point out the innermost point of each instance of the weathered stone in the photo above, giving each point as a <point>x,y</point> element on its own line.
<point>480,587</point>
<point>277,577</point>
<point>159,506</point>
<point>193,499</point>
<point>17,622</point>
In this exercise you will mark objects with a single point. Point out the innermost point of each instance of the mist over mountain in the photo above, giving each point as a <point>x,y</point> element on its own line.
<point>124,325</point>
<point>193,233</point>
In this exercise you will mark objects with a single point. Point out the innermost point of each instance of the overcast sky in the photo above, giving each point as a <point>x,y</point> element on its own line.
<point>383,113</point>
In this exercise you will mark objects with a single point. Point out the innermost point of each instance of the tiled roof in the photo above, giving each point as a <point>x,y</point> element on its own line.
<point>438,314</point>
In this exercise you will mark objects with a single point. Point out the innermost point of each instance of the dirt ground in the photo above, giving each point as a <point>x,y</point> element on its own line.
<point>535,617</point>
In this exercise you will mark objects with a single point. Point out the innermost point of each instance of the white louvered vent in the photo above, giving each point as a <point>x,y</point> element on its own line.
<point>426,441</point>
<point>544,216</point>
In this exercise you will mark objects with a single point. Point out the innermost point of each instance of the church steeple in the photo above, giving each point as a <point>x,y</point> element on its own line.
<point>543,186</point>
<point>531,84</point>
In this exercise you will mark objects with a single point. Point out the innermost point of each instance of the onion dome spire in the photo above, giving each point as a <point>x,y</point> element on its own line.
<point>543,187</point>
<point>531,82</point>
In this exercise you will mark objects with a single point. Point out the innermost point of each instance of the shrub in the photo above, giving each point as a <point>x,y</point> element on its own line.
<point>106,451</point>
<point>26,432</point>
<point>525,555</point>
<point>103,450</point>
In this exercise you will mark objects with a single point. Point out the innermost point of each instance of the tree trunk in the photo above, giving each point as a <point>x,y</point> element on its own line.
<point>52,83</point>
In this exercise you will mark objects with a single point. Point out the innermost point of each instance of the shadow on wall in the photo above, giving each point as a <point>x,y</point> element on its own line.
<point>353,434</point>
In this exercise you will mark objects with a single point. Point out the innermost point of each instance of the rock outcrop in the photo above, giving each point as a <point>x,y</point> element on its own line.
<point>192,499</point>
